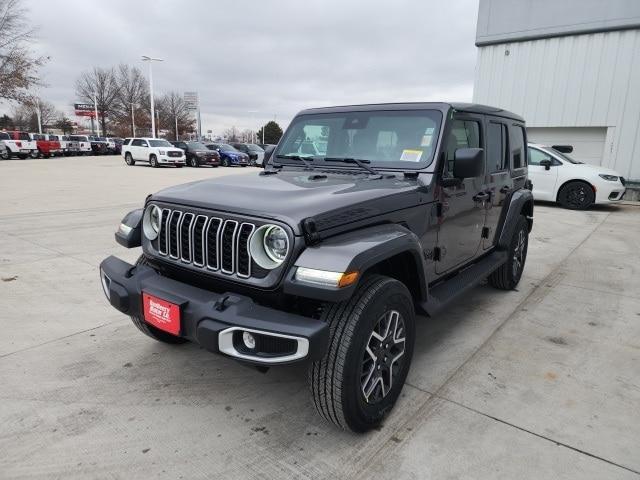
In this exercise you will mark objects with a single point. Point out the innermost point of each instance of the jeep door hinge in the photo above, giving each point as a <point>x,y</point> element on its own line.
<point>485,232</point>
<point>437,254</point>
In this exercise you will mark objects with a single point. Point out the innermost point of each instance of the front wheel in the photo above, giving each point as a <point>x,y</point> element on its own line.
<point>5,154</point>
<point>508,275</point>
<point>576,196</point>
<point>35,154</point>
<point>153,160</point>
<point>193,161</point>
<point>225,162</point>
<point>371,339</point>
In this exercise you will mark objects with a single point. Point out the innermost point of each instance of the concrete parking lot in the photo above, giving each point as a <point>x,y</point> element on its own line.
<point>541,382</point>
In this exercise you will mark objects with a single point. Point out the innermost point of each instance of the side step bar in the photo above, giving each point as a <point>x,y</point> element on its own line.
<point>444,293</point>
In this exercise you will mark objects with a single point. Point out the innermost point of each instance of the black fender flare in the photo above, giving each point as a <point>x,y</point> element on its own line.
<point>358,251</point>
<point>519,202</point>
<point>130,237</point>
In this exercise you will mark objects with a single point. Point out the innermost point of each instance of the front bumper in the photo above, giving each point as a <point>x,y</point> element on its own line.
<point>213,320</point>
<point>172,160</point>
<point>610,193</point>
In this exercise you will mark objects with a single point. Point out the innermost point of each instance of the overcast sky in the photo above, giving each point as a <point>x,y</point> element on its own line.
<point>272,57</point>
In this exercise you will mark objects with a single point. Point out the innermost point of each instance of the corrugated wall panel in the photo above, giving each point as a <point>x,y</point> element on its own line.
<point>590,80</point>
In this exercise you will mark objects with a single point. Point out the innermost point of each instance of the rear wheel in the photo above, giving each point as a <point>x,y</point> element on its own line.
<point>371,339</point>
<point>576,195</point>
<point>153,160</point>
<point>129,159</point>
<point>150,330</point>
<point>508,275</point>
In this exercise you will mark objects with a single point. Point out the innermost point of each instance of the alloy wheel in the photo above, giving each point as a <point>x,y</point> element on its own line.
<point>518,254</point>
<point>383,357</point>
<point>577,195</point>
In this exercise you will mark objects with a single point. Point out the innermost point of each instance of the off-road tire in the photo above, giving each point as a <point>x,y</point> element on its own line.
<point>153,161</point>
<point>576,195</point>
<point>128,159</point>
<point>336,379</point>
<point>150,330</point>
<point>508,275</point>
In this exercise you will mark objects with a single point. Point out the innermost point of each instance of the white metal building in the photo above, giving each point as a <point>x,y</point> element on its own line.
<point>571,68</point>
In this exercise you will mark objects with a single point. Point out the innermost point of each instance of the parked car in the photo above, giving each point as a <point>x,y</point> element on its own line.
<point>117,141</point>
<point>155,151</point>
<point>67,146</point>
<point>99,145</point>
<point>5,154</point>
<point>557,177</point>
<point>23,145</point>
<point>46,147</point>
<point>229,155</point>
<point>198,154</point>
<point>84,144</point>
<point>326,260</point>
<point>256,154</point>
<point>13,148</point>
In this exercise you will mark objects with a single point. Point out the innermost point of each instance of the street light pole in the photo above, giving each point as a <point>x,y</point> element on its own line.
<point>95,109</point>
<point>146,58</point>
<point>133,120</point>
<point>39,114</point>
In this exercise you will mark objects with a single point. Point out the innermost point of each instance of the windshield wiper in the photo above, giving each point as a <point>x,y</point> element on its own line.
<point>361,163</point>
<point>304,160</point>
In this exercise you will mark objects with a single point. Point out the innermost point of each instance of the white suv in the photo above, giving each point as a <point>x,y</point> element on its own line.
<point>557,177</point>
<point>155,151</point>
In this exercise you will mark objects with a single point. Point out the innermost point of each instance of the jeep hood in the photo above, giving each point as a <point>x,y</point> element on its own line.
<point>290,196</point>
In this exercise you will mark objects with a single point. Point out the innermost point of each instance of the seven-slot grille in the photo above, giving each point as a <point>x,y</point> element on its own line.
<point>213,243</point>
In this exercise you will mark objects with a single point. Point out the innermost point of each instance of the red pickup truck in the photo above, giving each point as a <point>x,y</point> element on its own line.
<point>46,148</point>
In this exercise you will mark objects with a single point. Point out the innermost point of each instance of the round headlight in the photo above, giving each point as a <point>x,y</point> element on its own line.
<point>269,246</point>
<point>151,222</point>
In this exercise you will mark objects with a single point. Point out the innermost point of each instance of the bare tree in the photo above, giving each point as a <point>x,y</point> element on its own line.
<point>131,95</point>
<point>101,84</point>
<point>232,134</point>
<point>18,65</point>
<point>49,114</point>
<point>175,114</point>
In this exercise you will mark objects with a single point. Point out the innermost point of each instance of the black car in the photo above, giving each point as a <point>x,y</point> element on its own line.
<point>98,145</point>
<point>255,152</point>
<point>198,154</point>
<point>326,257</point>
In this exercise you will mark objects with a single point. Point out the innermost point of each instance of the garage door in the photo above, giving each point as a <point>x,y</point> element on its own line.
<point>588,142</point>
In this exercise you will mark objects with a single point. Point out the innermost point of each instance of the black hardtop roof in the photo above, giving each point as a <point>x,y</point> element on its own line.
<point>461,107</point>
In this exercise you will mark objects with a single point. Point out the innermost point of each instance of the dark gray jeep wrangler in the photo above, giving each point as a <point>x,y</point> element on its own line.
<point>365,216</point>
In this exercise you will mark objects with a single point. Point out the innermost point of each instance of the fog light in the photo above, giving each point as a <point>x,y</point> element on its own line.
<point>249,340</point>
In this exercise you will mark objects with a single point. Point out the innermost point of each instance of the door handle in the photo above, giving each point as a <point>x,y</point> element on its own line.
<point>482,196</point>
<point>505,189</point>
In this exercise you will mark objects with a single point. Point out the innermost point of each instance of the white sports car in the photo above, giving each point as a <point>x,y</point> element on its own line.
<point>557,177</point>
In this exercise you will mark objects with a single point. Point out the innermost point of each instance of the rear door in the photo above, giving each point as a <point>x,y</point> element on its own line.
<point>544,181</point>
<point>498,178</point>
<point>463,211</point>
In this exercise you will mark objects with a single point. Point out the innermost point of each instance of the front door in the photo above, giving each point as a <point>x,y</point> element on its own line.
<point>544,181</point>
<point>463,205</point>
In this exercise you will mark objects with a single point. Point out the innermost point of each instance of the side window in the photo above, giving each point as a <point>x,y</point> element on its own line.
<point>536,156</point>
<point>136,143</point>
<point>463,134</point>
<point>143,143</point>
<point>126,141</point>
<point>497,147</point>
<point>518,150</point>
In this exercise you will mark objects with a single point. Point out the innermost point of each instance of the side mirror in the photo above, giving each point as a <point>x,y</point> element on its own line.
<point>546,163</point>
<point>468,163</point>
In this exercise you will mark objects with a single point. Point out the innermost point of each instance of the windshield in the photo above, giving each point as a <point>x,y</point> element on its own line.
<point>396,139</point>
<point>196,146</point>
<point>564,156</point>
<point>159,143</point>
<point>226,146</point>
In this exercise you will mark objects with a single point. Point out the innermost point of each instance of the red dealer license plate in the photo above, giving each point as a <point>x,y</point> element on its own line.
<point>161,314</point>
